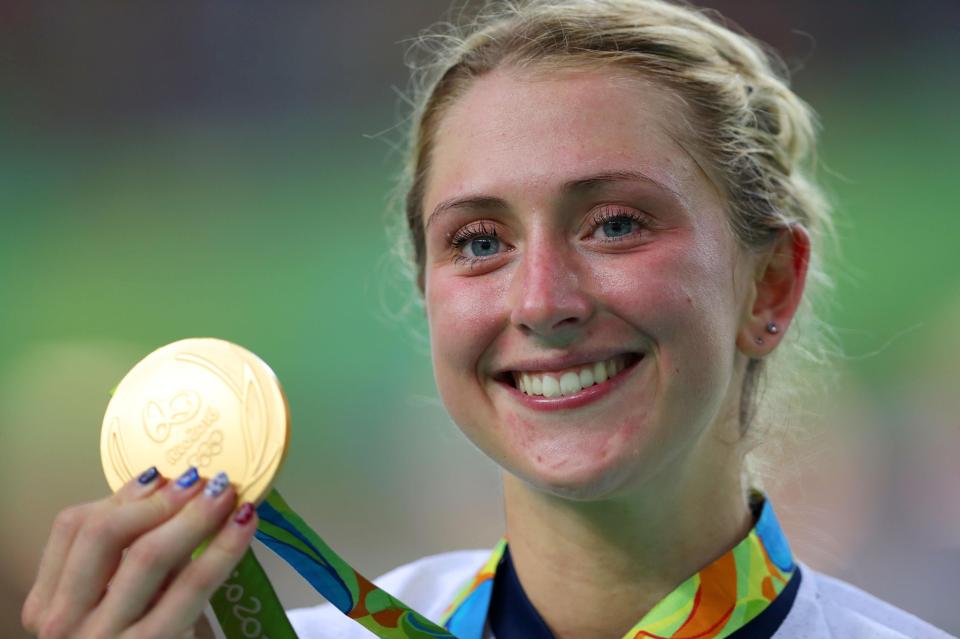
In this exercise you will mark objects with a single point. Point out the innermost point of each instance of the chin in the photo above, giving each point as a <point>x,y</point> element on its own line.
<point>577,482</point>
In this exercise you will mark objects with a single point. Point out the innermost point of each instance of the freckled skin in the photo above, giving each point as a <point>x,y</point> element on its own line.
<point>677,293</point>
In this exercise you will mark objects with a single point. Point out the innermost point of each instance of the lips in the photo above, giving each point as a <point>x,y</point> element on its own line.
<point>570,380</point>
<point>568,394</point>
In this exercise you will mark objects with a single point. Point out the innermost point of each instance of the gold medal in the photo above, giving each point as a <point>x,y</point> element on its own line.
<point>200,402</point>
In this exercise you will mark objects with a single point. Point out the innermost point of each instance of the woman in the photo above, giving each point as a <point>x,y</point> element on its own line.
<point>613,227</point>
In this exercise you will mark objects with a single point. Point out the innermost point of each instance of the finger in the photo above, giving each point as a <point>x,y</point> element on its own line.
<point>189,593</point>
<point>177,568</point>
<point>62,534</point>
<point>143,485</point>
<point>156,555</point>
<point>99,544</point>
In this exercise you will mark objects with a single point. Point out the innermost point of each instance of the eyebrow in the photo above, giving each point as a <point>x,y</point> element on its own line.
<point>578,186</point>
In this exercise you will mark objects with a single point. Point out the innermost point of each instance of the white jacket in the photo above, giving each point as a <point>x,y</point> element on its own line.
<point>825,607</point>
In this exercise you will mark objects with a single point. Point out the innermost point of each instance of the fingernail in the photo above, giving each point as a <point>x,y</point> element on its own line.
<point>217,485</point>
<point>188,478</point>
<point>244,513</point>
<point>148,475</point>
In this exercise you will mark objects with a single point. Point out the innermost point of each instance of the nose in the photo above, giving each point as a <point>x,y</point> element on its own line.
<point>549,298</point>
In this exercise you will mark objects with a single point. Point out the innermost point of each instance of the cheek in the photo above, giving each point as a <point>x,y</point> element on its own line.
<point>464,315</point>
<point>682,300</point>
<point>667,294</point>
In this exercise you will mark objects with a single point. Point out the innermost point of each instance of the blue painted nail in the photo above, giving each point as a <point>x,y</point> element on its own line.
<point>148,475</point>
<point>188,478</point>
<point>217,485</point>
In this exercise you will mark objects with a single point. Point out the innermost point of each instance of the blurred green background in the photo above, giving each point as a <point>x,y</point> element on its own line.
<point>225,170</point>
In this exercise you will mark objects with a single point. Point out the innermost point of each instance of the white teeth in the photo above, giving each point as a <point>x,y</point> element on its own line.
<point>536,386</point>
<point>586,377</point>
<point>570,382</point>
<point>551,387</point>
<point>599,373</point>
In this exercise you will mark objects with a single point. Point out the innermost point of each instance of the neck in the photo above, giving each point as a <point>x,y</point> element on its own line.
<point>593,569</point>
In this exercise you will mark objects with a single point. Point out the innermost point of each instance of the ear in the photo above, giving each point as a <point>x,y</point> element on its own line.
<point>775,293</point>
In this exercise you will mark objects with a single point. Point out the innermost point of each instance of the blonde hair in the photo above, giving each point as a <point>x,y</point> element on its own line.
<point>756,135</point>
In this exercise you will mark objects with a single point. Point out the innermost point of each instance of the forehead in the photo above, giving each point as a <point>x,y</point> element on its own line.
<point>535,129</point>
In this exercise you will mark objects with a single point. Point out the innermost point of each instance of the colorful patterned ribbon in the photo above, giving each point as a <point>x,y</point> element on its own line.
<point>285,533</point>
<point>712,604</point>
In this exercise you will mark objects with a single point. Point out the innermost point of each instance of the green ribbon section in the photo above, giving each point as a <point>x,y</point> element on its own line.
<point>285,532</point>
<point>247,606</point>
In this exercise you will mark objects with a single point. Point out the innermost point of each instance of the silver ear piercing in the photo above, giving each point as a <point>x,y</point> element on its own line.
<point>772,328</point>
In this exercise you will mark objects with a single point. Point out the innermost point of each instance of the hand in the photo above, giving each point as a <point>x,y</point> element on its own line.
<point>120,566</point>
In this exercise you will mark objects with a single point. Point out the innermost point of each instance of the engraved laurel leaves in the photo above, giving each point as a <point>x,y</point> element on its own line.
<point>117,451</point>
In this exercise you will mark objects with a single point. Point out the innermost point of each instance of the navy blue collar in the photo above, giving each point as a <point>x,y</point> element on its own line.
<point>512,616</point>
<point>511,613</point>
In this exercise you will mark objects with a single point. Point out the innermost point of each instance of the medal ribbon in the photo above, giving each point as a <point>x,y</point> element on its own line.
<point>713,604</point>
<point>247,606</point>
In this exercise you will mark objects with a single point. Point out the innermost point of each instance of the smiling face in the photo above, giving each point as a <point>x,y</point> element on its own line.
<point>583,289</point>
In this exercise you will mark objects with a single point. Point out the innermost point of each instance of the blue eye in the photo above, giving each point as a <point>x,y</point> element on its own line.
<point>618,226</point>
<point>476,242</point>
<point>612,226</point>
<point>484,246</point>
